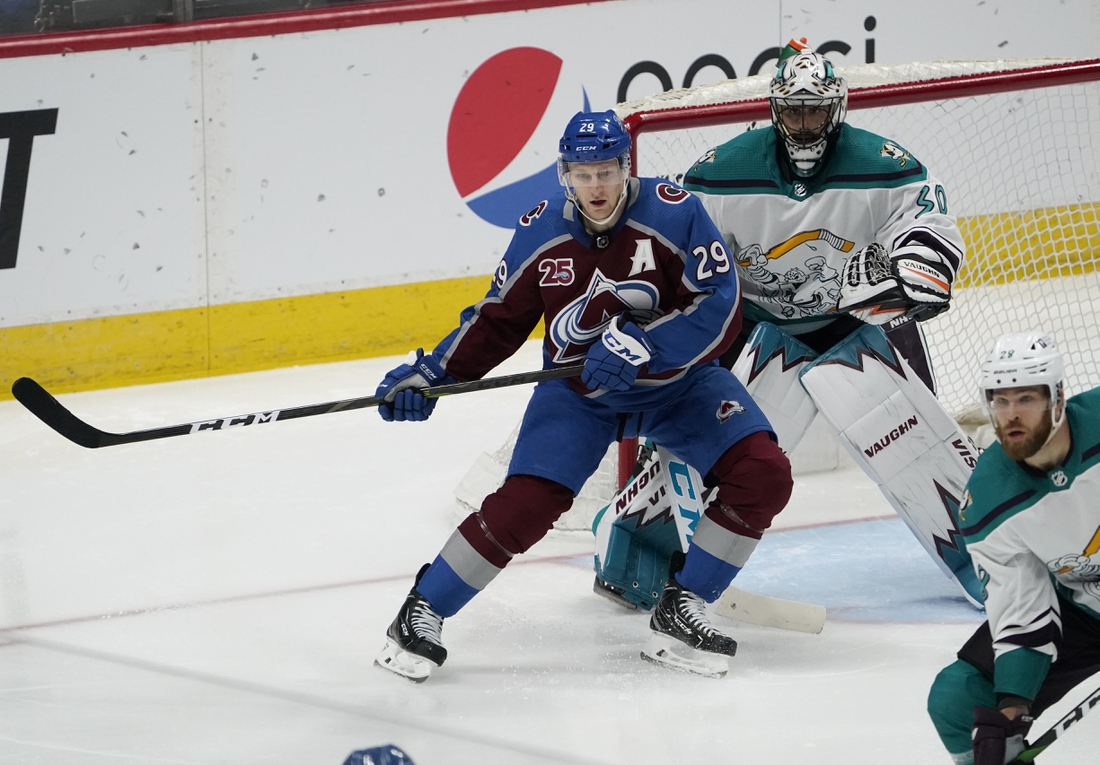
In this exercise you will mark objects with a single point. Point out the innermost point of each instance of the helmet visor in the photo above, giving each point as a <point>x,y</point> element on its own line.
<point>583,175</point>
<point>1030,400</point>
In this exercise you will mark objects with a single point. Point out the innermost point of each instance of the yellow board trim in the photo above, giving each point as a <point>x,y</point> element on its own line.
<point>1024,246</point>
<point>117,351</point>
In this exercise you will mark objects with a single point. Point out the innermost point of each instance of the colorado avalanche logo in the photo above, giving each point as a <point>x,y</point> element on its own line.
<point>529,217</point>
<point>674,195</point>
<point>581,322</point>
<point>727,409</point>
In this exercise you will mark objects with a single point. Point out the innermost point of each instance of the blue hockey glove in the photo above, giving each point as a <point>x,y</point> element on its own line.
<point>614,362</point>
<point>995,738</point>
<point>403,402</point>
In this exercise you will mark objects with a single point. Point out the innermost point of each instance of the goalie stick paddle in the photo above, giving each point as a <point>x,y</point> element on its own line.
<point>48,409</point>
<point>770,612</point>
<point>1074,715</point>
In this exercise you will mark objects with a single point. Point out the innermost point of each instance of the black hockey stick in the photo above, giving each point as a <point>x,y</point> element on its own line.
<point>48,409</point>
<point>1033,750</point>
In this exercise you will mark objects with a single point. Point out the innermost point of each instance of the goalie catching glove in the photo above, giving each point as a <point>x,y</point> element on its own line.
<point>402,400</point>
<point>878,288</point>
<point>614,362</point>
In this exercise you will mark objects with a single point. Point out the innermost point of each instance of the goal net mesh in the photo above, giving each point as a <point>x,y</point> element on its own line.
<point>1016,145</point>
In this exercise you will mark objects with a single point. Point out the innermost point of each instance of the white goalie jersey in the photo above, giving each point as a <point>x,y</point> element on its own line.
<point>793,235</point>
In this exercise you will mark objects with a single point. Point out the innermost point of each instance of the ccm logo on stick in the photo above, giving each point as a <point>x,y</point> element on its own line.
<point>236,422</point>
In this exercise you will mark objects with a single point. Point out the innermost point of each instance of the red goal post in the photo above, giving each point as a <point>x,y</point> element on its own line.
<point>1016,144</point>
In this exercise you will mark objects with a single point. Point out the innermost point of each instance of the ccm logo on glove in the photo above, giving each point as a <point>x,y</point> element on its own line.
<point>635,350</point>
<point>614,362</point>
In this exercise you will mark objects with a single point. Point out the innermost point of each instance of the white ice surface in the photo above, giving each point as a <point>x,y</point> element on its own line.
<point>220,598</point>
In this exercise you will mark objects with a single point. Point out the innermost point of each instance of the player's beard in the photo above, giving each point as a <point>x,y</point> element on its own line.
<point>1035,441</point>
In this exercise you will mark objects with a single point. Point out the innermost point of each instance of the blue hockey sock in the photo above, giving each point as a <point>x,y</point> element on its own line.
<point>444,590</point>
<point>706,575</point>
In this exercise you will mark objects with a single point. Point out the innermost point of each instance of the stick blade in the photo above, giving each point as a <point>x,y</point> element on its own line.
<point>45,407</point>
<point>770,612</point>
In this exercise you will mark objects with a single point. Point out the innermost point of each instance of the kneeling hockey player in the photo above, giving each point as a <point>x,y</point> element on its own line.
<point>630,277</point>
<point>1032,526</point>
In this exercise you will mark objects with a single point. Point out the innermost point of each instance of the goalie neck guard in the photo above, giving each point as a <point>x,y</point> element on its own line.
<point>1026,359</point>
<point>808,104</point>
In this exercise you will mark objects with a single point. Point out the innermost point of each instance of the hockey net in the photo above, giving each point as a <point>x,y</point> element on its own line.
<point>1016,144</point>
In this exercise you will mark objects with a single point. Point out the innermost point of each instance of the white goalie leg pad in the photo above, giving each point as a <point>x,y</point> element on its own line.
<point>768,367</point>
<point>896,431</point>
<point>649,519</point>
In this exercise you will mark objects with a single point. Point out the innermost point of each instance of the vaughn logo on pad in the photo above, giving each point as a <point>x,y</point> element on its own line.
<point>890,437</point>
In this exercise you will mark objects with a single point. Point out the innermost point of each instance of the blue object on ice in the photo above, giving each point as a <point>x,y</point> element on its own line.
<point>379,755</point>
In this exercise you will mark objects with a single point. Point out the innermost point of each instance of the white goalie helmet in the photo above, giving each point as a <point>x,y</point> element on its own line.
<point>1025,359</point>
<point>808,102</point>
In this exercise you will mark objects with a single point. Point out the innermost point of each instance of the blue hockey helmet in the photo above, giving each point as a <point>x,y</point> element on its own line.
<point>595,137</point>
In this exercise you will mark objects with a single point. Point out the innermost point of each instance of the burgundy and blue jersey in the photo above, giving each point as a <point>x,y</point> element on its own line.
<point>664,263</point>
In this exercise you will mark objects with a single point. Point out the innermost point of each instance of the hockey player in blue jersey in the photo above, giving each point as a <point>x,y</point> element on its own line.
<point>630,277</point>
<point>1032,525</point>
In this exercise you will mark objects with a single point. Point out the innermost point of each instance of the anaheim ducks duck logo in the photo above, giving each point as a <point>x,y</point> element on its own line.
<point>708,157</point>
<point>896,153</point>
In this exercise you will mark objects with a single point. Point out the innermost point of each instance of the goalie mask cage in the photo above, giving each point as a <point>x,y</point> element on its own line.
<point>1016,145</point>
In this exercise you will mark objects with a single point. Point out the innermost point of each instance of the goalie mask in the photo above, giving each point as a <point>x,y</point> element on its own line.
<point>1022,360</point>
<point>808,103</point>
<point>595,154</point>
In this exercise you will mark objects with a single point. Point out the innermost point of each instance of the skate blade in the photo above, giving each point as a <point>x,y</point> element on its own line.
<point>671,653</point>
<point>399,661</point>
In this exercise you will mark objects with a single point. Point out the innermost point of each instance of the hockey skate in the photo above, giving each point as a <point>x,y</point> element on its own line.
<point>414,641</point>
<point>682,636</point>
